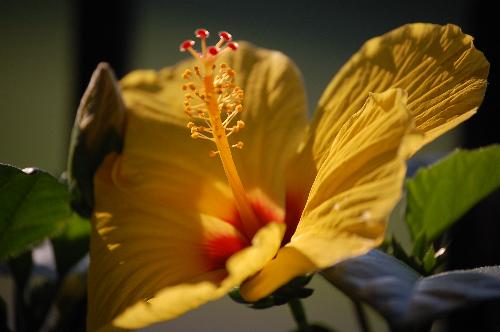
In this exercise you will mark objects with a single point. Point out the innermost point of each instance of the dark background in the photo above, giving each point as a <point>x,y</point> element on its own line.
<point>48,50</point>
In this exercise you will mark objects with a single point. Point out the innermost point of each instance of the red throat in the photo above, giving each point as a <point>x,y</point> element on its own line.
<point>218,249</point>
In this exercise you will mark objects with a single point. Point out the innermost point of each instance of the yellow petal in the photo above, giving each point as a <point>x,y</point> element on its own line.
<point>439,67</point>
<point>359,182</point>
<point>275,115</point>
<point>151,262</point>
<point>355,189</point>
<point>288,263</point>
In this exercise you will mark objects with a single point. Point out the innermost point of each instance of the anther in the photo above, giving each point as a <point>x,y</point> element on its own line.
<point>195,135</point>
<point>190,124</point>
<point>201,33</point>
<point>234,129</point>
<point>213,153</point>
<point>238,145</point>
<point>240,124</point>
<point>187,74</point>
<point>197,71</point>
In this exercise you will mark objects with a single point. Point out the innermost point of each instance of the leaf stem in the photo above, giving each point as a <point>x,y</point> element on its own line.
<point>361,317</point>
<point>299,315</point>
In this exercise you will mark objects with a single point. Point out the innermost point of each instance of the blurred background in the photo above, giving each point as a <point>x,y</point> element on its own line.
<point>48,50</point>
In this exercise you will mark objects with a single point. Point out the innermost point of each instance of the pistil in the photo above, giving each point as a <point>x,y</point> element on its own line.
<point>218,95</point>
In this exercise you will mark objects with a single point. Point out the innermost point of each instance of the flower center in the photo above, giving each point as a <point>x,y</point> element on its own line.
<point>212,102</point>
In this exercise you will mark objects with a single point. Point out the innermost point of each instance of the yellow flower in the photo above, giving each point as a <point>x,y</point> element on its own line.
<point>171,231</point>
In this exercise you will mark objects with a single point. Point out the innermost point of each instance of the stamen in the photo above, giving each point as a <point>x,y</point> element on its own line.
<point>187,74</point>
<point>229,99</point>
<point>197,71</point>
<point>240,124</point>
<point>238,145</point>
<point>213,153</point>
<point>220,101</point>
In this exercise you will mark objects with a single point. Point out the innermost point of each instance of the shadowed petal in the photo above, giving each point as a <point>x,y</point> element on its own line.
<point>275,116</point>
<point>162,164</point>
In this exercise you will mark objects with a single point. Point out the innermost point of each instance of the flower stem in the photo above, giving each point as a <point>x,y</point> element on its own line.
<point>299,315</point>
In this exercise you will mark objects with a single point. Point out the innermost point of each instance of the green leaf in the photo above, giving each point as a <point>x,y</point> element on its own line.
<point>404,297</point>
<point>420,243</point>
<point>72,244</point>
<point>399,253</point>
<point>429,260</point>
<point>442,193</point>
<point>33,206</point>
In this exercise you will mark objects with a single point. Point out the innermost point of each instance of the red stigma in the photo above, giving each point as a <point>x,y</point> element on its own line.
<point>225,35</point>
<point>234,46</point>
<point>213,50</point>
<point>186,44</point>
<point>201,33</point>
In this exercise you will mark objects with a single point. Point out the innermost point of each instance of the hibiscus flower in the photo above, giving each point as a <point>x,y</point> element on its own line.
<point>262,195</point>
